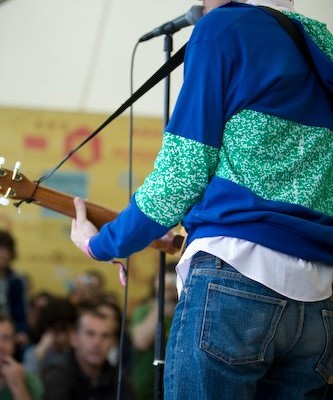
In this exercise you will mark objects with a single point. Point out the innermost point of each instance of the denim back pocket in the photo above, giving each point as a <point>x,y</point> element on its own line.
<point>239,325</point>
<point>325,365</point>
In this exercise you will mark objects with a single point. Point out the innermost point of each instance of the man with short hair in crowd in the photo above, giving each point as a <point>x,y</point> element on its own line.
<point>86,373</point>
<point>15,383</point>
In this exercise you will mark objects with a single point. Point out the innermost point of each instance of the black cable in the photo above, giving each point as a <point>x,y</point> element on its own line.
<point>127,265</point>
<point>122,334</point>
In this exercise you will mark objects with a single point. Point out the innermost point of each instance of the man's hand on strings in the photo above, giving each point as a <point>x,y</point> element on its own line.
<point>82,228</point>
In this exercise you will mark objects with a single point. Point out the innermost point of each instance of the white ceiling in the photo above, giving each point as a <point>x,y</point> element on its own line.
<point>75,54</point>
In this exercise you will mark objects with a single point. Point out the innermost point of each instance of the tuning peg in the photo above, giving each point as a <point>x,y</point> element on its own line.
<point>2,163</point>
<point>4,201</point>
<point>16,176</point>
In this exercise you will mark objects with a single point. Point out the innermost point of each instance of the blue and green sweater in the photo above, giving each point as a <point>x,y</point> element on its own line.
<point>248,151</point>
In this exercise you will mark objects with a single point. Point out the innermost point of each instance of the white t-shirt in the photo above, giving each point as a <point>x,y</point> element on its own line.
<point>290,276</point>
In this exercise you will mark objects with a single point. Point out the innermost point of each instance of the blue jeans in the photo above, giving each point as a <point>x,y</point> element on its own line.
<point>234,339</point>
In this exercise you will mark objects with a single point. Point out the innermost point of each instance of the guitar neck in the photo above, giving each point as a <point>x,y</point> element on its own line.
<point>62,203</point>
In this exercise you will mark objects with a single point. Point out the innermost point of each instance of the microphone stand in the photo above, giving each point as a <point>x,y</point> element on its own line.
<point>160,329</point>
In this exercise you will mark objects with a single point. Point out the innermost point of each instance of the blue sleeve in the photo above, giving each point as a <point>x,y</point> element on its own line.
<point>207,95</point>
<point>130,232</point>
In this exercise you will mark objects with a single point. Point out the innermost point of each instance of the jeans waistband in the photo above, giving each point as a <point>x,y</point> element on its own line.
<point>203,256</point>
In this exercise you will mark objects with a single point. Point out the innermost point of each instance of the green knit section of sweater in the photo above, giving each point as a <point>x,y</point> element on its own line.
<point>279,160</point>
<point>182,170</point>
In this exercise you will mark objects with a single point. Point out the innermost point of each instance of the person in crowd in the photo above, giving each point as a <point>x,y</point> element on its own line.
<point>13,296</point>
<point>246,166</point>
<point>143,333</point>
<point>113,312</point>
<point>36,304</point>
<point>86,373</point>
<point>110,308</point>
<point>110,296</point>
<point>15,383</point>
<point>54,324</point>
<point>87,289</point>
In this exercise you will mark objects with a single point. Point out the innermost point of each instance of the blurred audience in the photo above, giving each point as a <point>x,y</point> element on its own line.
<point>15,383</point>
<point>111,310</point>
<point>54,324</point>
<point>143,331</point>
<point>113,313</point>
<point>110,297</point>
<point>87,290</point>
<point>13,299</point>
<point>36,303</point>
<point>86,374</point>
<point>72,344</point>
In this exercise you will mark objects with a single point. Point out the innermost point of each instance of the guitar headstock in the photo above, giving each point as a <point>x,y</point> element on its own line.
<point>13,185</point>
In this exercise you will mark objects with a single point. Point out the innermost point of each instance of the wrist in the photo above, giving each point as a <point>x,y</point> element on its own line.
<point>87,250</point>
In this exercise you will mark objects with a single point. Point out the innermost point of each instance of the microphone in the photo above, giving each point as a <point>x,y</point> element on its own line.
<point>190,18</point>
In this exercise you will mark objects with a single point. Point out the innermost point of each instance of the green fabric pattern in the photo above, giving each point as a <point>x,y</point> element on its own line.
<point>182,170</point>
<point>297,169</point>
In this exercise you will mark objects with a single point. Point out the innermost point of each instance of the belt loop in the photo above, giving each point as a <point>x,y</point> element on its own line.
<point>218,263</point>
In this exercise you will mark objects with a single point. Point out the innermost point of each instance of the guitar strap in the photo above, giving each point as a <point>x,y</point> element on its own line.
<point>288,25</point>
<point>295,33</point>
